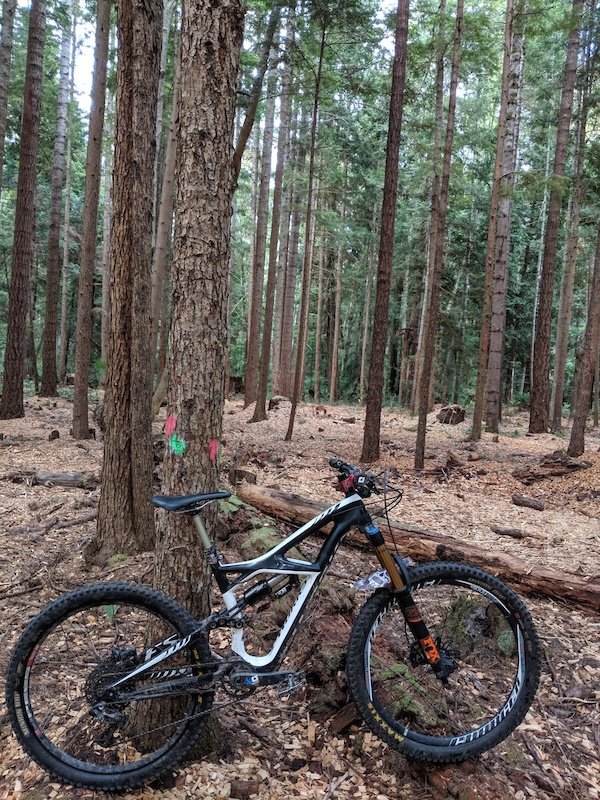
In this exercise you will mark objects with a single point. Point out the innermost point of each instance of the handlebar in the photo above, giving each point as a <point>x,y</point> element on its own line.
<point>352,481</point>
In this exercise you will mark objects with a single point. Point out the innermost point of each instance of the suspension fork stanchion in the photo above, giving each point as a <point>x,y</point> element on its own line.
<point>412,615</point>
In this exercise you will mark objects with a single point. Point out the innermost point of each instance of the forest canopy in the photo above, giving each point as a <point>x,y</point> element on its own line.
<point>517,238</point>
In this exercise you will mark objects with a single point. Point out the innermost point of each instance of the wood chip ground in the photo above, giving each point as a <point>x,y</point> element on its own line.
<point>279,751</point>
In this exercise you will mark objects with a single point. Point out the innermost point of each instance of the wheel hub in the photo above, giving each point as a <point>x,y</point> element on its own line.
<point>103,700</point>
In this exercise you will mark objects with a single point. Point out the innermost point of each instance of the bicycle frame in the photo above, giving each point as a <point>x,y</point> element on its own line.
<point>279,571</point>
<point>276,568</point>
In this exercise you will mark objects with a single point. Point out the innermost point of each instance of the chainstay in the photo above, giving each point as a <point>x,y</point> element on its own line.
<point>215,707</point>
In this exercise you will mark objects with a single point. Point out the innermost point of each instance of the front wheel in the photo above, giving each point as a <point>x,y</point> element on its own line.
<point>61,700</point>
<point>488,642</point>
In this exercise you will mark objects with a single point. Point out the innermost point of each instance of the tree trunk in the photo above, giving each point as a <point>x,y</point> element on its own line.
<point>333,386</point>
<point>256,91</point>
<point>254,191</point>
<point>367,307</point>
<point>200,279</point>
<point>62,357</point>
<point>597,392</point>
<point>258,266</point>
<point>511,93</point>
<point>49,386</point>
<point>570,253</point>
<point>260,410</point>
<point>11,401</point>
<point>538,412</point>
<point>540,261</point>
<point>9,8</point>
<point>125,519</point>
<point>588,361</point>
<point>433,310</point>
<point>169,7</point>
<point>486,310</point>
<point>370,447</point>
<point>434,228</point>
<point>307,262</point>
<point>83,344</point>
<point>165,216</point>
<point>282,363</point>
<point>319,319</point>
<point>108,138</point>
<point>31,370</point>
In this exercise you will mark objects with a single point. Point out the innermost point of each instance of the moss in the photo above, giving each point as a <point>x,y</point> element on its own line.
<point>231,505</point>
<point>118,558</point>
<point>258,542</point>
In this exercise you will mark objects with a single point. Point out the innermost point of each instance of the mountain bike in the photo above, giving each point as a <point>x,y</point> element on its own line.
<point>111,684</point>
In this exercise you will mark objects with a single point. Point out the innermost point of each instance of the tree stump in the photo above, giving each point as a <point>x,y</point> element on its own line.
<point>277,400</point>
<point>451,415</point>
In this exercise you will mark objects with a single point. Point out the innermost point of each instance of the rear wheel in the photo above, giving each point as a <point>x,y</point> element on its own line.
<point>490,646</point>
<point>60,704</point>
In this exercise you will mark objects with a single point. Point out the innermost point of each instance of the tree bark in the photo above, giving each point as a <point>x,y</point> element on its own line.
<point>588,362</point>
<point>211,38</point>
<point>11,401</point>
<point>260,410</point>
<point>49,385</point>
<point>255,311</point>
<point>371,438</point>
<point>511,93</point>
<point>433,311</point>
<point>83,344</point>
<point>538,412</point>
<point>9,8</point>
<point>125,519</point>
<point>423,545</point>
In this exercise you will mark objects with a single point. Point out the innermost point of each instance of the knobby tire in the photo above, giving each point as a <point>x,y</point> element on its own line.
<point>483,631</point>
<point>61,666</point>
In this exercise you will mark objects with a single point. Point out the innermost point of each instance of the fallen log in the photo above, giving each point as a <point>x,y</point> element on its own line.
<point>528,502</point>
<point>553,465</point>
<point>79,480</point>
<point>422,545</point>
<point>515,533</point>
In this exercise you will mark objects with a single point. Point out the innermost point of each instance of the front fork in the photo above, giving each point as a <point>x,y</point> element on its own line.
<point>412,615</point>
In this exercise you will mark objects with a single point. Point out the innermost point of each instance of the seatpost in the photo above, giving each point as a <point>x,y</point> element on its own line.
<point>209,548</point>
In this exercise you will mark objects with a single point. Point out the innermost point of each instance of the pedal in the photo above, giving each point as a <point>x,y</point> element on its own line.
<point>292,683</point>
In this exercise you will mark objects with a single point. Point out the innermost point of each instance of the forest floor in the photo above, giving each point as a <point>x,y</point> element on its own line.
<point>286,750</point>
